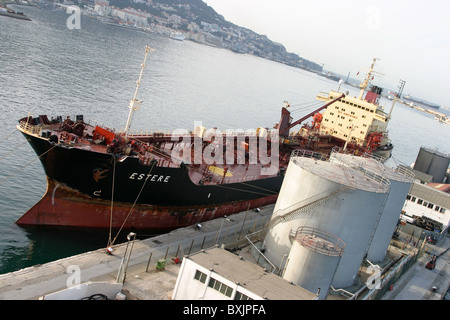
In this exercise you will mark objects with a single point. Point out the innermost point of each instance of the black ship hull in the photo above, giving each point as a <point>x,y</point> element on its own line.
<point>86,187</point>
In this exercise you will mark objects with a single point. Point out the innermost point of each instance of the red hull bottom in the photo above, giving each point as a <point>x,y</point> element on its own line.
<point>69,209</point>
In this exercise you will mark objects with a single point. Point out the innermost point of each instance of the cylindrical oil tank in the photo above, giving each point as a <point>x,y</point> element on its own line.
<point>432,162</point>
<point>330,197</point>
<point>401,179</point>
<point>313,260</point>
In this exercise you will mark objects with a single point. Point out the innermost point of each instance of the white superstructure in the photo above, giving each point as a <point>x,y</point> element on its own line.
<point>216,274</point>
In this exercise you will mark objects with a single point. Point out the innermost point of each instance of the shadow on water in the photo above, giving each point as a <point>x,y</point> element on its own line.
<point>48,244</point>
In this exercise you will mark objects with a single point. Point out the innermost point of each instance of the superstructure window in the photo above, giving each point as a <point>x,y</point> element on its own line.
<point>442,210</point>
<point>200,276</point>
<point>436,208</point>
<point>430,205</point>
<point>241,296</point>
<point>420,201</point>
<point>219,286</point>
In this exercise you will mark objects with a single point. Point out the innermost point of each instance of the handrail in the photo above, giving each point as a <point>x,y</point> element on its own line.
<point>320,241</point>
<point>302,153</point>
<point>188,133</point>
<point>267,259</point>
<point>405,171</point>
<point>30,128</point>
<point>298,154</point>
<point>346,293</point>
<point>302,206</point>
<point>364,169</point>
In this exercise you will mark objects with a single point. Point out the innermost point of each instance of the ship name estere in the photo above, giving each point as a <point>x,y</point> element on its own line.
<point>154,177</point>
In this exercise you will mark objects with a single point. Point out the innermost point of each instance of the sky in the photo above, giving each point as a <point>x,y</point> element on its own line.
<point>411,38</point>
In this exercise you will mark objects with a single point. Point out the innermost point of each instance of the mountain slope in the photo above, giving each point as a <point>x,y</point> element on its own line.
<point>196,16</point>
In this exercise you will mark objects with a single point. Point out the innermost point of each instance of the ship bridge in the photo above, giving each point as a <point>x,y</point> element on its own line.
<point>352,119</point>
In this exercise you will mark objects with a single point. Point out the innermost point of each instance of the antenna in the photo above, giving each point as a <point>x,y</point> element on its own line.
<point>134,103</point>
<point>397,96</point>
<point>369,77</point>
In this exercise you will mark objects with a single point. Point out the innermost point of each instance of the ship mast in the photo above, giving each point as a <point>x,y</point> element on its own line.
<point>134,103</point>
<point>366,81</point>
<point>397,96</point>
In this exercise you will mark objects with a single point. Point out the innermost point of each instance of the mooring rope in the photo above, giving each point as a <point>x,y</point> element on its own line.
<point>135,201</point>
<point>7,136</point>
<point>3,157</point>
<point>20,169</point>
<point>112,202</point>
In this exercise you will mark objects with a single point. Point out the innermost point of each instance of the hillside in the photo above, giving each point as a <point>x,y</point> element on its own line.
<point>205,25</point>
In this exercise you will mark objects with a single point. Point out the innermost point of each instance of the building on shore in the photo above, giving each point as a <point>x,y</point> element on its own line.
<point>216,274</point>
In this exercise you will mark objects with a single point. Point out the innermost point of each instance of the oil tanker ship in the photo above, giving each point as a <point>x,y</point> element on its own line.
<point>99,178</point>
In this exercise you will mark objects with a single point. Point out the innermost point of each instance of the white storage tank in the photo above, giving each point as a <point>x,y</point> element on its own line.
<point>313,260</point>
<point>401,179</point>
<point>330,197</point>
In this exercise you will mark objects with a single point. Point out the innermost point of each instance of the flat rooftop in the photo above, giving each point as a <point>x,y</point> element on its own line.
<point>250,276</point>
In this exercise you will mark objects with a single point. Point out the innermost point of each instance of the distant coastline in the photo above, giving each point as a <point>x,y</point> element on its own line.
<point>7,12</point>
<point>221,34</point>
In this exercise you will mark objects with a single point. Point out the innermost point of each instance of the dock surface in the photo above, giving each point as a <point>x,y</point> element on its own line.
<point>141,283</point>
<point>144,282</point>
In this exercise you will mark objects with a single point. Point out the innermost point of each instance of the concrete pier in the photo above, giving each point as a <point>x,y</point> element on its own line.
<point>140,283</point>
<point>144,282</point>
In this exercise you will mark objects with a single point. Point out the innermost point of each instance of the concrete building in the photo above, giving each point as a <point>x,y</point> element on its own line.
<point>127,14</point>
<point>216,274</point>
<point>424,201</point>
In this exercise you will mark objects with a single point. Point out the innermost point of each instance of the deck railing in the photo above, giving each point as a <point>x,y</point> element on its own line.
<point>319,241</point>
<point>300,156</point>
<point>30,128</point>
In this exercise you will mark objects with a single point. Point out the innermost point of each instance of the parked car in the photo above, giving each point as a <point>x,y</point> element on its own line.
<point>431,239</point>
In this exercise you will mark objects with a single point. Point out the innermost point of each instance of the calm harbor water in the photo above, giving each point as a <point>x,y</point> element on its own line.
<point>48,69</point>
